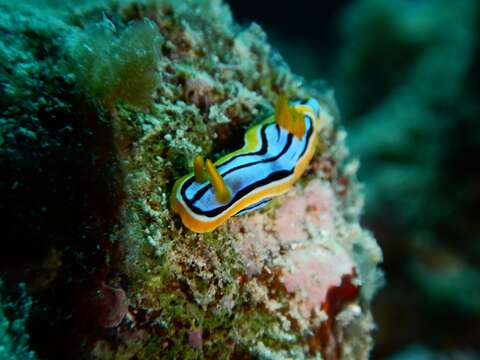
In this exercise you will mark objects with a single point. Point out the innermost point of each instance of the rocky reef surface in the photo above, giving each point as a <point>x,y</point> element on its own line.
<point>103,107</point>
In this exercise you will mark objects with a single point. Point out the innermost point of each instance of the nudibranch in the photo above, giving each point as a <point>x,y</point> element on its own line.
<point>275,153</point>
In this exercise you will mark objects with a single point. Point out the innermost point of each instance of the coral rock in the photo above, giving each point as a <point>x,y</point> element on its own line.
<point>108,106</point>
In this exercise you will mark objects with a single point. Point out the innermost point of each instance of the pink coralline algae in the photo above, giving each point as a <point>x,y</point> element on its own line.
<point>263,238</point>
<point>195,339</point>
<point>110,306</point>
<point>315,263</point>
<point>316,206</point>
<point>200,90</point>
<point>305,246</point>
<point>312,272</point>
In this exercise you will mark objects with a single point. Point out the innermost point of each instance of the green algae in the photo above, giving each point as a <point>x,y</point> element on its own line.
<point>116,65</point>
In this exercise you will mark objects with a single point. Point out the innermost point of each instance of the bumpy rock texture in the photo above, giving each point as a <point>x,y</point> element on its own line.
<point>104,107</point>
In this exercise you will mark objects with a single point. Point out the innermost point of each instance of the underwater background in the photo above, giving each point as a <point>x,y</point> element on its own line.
<point>103,103</point>
<point>406,76</point>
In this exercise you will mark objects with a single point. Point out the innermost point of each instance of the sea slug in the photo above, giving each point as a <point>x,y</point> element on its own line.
<point>275,154</point>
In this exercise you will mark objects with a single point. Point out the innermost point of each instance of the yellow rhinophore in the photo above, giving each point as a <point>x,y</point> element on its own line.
<point>222,192</point>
